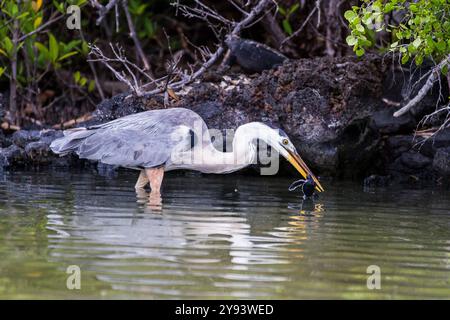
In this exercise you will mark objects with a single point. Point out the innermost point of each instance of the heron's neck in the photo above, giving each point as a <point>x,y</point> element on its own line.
<point>206,158</point>
<point>243,154</point>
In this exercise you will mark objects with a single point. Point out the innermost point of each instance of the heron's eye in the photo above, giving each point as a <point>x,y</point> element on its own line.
<point>285,142</point>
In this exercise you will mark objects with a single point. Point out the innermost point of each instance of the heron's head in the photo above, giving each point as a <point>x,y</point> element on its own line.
<point>279,140</point>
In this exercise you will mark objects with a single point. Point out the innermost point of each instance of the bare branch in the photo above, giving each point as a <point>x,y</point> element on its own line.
<point>202,12</point>
<point>434,75</point>
<point>296,33</point>
<point>211,58</point>
<point>42,27</point>
<point>94,72</point>
<point>103,10</point>
<point>176,78</point>
<point>119,57</point>
<point>432,132</point>
<point>133,35</point>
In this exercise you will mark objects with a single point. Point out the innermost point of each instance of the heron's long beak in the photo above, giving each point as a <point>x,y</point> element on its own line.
<point>298,163</point>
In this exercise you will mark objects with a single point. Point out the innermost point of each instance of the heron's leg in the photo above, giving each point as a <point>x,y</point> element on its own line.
<point>155,176</point>
<point>142,181</point>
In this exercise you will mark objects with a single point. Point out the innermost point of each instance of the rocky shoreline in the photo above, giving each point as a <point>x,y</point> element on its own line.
<point>338,112</point>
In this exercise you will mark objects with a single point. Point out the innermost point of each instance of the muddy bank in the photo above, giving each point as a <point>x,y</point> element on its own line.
<point>338,112</point>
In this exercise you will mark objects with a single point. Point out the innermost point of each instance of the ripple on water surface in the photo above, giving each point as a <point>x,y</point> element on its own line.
<point>218,237</point>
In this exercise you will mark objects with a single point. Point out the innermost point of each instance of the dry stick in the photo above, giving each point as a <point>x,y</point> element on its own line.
<point>424,90</point>
<point>103,10</point>
<point>94,72</point>
<point>433,131</point>
<point>331,15</point>
<point>121,59</point>
<point>116,9</point>
<point>185,79</point>
<point>129,66</point>
<point>272,27</point>
<point>130,72</point>
<point>105,60</point>
<point>317,7</point>
<point>133,35</point>
<point>13,80</point>
<point>49,22</point>
<point>213,57</point>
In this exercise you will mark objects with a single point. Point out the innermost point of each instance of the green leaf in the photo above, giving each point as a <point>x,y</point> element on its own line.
<point>444,69</point>
<point>53,47</point>
<point>84,48</point>
<point>83,81</point>
<point>8,45</point>
<point>416,43</point>
<point>76,76</point>
<point>37,22</point>
<point>389,7</point>
<point>287,27</point>
<point>360,28</point>
<point>140,10</point>
<point>59,6</point>
<point>2,70</point>
<point>72,44</point>
<point>67,55</point>
<point>441,45</point>
<point>359,52</point>
<point>43,50</point>
<point>419,60</point>
<point>23,15</point>
<point>351,40</point>
<point>294,8</point>
<point>412,49</point>
<point>281,10</point>
<point>91,86</point>
<point>405,58</point>
<point>14,10</point>
<point>350,15</point>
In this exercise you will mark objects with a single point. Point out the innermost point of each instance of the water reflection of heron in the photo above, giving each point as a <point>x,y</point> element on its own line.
<point>307,206</point>
<point>151,201</point>
<point>162,140</point>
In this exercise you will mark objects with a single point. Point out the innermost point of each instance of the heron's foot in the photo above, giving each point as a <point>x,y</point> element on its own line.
<point>155,176</point>
<point>155,201</point>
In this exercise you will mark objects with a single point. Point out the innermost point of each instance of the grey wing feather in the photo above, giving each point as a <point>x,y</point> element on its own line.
<point>140,140</point>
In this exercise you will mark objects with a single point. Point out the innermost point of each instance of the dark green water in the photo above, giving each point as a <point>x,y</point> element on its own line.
<point>207,240</point>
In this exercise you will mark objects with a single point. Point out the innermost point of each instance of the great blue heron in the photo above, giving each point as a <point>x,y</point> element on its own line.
<point>176,138</point>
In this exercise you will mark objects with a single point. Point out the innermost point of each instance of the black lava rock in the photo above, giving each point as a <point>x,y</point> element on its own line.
<point>386,123</point>
<point>441,161</point>
<point>39,152</point>
<point>415,160</point>
<point>442,139</point>
<point>4,141</point>
<point>376,181</point>
<point>22,137</point>
<point>13,155</point>
<point>253,56</point>
<point>398,144</point>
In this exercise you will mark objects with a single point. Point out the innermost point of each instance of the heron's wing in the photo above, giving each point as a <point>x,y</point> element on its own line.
<point>140,140</point>
<point>127,147</point>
